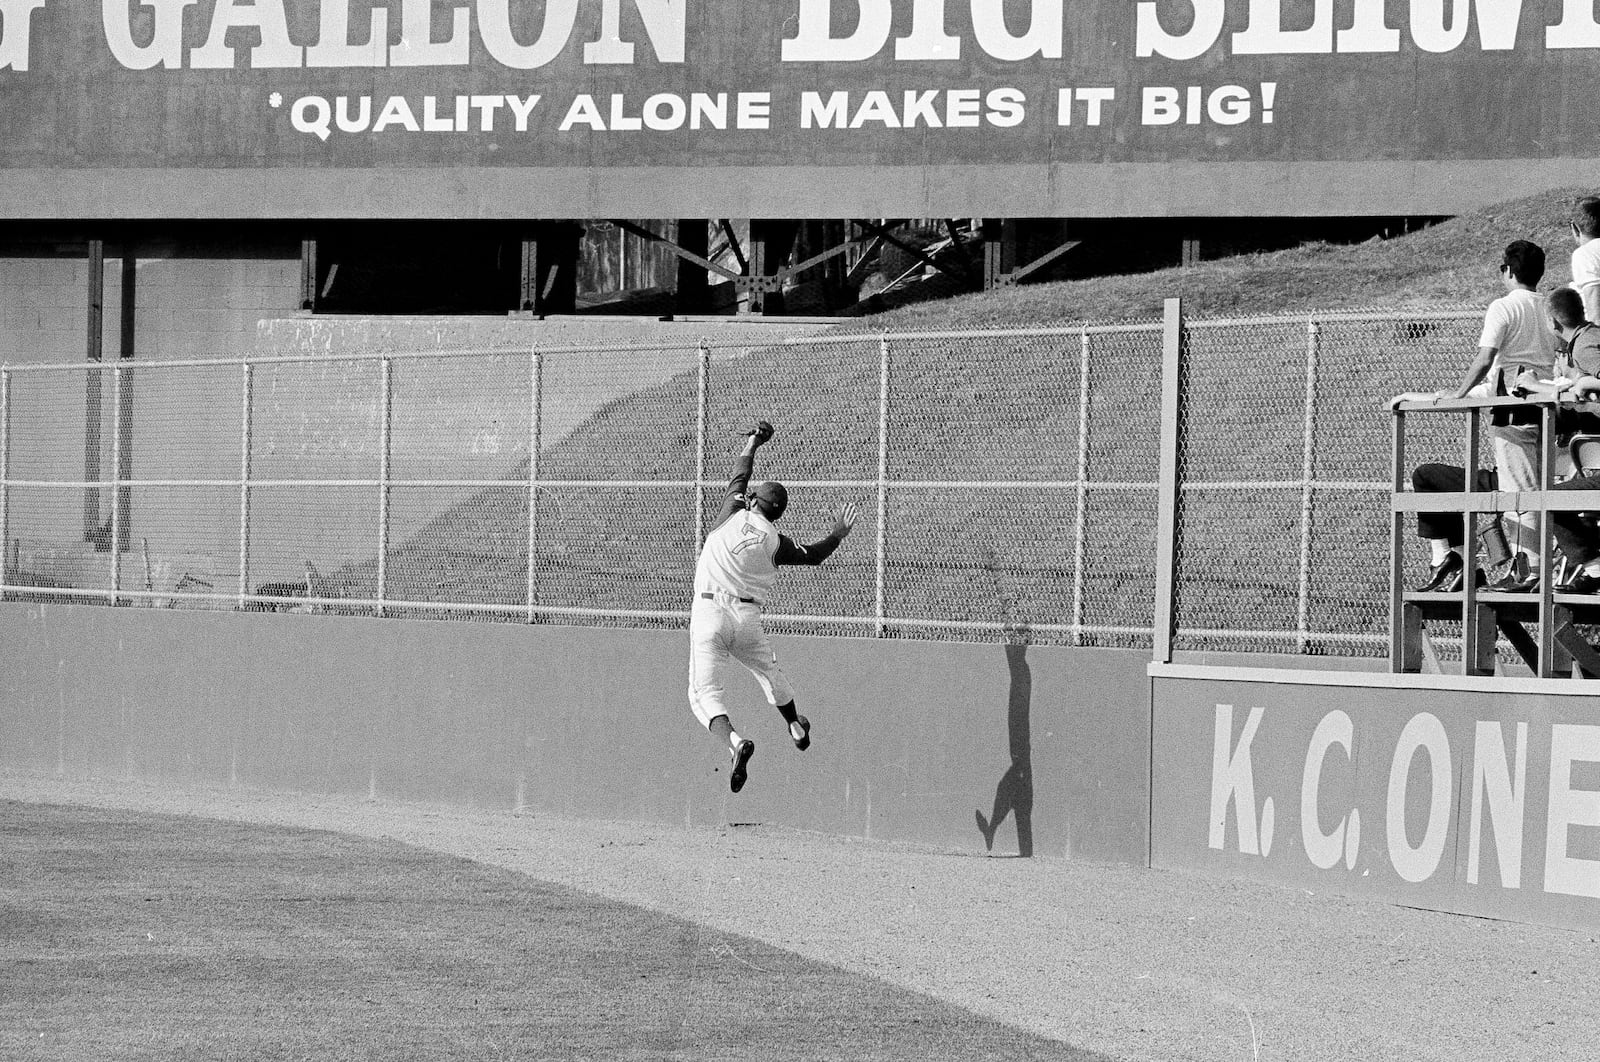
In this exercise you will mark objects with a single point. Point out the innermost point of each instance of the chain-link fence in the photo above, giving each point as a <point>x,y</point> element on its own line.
<point>1284,457</point>
<point>1009,480</point>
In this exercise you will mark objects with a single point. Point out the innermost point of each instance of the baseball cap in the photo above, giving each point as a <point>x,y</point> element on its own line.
<point>773,497</point>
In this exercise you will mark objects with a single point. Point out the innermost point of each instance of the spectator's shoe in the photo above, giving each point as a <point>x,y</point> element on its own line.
<point>1582,583</point>
<point>1511,584</point>
<point>741,756</point>
<point>800,733</point>
<point>1444,577</point>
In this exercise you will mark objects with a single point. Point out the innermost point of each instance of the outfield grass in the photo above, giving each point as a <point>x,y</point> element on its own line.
<point>134,936</point>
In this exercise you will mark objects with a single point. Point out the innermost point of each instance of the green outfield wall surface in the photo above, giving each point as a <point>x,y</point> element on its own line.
<point>1045,749</point>
<point>1472,795</point>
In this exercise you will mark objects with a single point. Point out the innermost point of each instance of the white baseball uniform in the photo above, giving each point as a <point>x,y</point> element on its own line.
<point>734,578</point>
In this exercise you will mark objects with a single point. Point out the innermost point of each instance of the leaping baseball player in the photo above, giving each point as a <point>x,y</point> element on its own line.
<point>732,581</point>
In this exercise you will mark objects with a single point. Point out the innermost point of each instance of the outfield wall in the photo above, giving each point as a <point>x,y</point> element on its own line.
<point>1471,795</point>
<point>912,738</point>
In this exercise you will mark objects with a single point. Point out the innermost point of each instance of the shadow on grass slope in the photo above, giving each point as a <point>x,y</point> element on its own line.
<point>138,936</point>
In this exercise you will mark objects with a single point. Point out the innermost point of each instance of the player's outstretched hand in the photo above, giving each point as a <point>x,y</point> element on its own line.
<point>846,520</point>
<point>761,432</point>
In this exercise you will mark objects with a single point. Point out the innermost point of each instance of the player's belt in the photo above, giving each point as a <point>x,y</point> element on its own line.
<point>741,600</point>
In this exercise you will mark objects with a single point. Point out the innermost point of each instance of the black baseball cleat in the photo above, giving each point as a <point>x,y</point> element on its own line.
<point>1444,577</point>
<point>741,756</point>
<point>800,733</point>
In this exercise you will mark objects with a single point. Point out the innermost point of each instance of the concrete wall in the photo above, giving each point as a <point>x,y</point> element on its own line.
<point>913,741</point>
<point>187,307</point>
<point>1470,795</point>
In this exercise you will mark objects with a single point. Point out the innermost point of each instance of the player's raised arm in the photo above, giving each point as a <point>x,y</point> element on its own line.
<point>743,468</point>
<point>816,552</point>
<point>744,465</point>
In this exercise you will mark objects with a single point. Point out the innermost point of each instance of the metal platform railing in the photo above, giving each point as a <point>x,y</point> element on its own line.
<point>1559,648</point>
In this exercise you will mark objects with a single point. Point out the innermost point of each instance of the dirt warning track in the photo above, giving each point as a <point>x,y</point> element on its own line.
<point>1131,963</point>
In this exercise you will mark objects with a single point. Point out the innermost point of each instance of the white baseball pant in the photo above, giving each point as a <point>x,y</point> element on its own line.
<point>723,628</point>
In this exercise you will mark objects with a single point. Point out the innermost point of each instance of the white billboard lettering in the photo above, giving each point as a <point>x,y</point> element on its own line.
<point>166,38</point>
<point>1423,733</point>
<point>486,106</point>
<point>16,32</point>
<point>1441,25</point>
<point>1042,37</point>
<point>927,39</point>
<point>876,108</point>
<point>1233,782</point>
<point>963,108</point>
<point>817,113</point>
<point>347,123</point>
<point>1193,104</point>
<point>417,46</point>
<point>1368,32</point>
<point>494,26</point>
<point>521,107</point>
<point>1507,791</point>
<point>458,114</point>
<point>1325,850</point>
<point>1151,38</point>
<point>396,112</point>
<point>1435,25</point>
<point>425,40</point>
<point>311,114</point>
<point>1093,100</point>
<point>664,24</point>
<point>275,51</point>
<point>663,111</point>
<point>1264,33</point>
<point>755,110</point>
<point>334,47</point>
<point>1229,105</point>
<point>1577,28</point>
<point>1570,807</point>
<point>814,41</point>
<point>1004,107</point>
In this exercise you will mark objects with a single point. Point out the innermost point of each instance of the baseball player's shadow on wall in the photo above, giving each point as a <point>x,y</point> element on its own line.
<point>1014,794</point>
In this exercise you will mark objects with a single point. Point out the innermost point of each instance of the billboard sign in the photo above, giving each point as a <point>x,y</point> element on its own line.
<point>1472,796</point>
<point>999,107</point>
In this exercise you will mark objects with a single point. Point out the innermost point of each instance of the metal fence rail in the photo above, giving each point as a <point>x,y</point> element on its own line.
<point>1009,480</point>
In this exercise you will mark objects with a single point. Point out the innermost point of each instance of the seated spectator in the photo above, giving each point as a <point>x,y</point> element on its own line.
<point>1516,342</point>
<point>1577,378</point>
<point>1586,256</point>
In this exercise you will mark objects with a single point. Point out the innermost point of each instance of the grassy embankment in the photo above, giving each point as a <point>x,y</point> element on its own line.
<point>966,406</point>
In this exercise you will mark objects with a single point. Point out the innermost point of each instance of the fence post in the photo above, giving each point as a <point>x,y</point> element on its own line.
<point>535,443</point>
<point>1082,473</point>
<point>702,394</point>
<point>5,480</point>
<point>1397,484</point>
<point>1303,612</point>
<point>881,548</point>
<point>1471,644</point>
<point>116,485</point>
<point>1167,497</point>
<point>246,443</point>
<point>385,427</point>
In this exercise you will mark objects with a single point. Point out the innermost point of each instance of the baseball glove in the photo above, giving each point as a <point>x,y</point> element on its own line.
<point>762,431</point>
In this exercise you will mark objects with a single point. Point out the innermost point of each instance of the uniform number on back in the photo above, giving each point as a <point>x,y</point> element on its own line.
<point>750,536</point>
